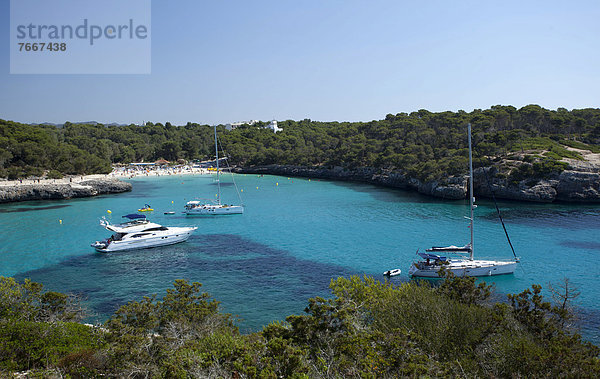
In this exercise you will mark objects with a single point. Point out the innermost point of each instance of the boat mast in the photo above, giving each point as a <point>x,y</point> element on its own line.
<point>471,189</point>
<point>218,182</point>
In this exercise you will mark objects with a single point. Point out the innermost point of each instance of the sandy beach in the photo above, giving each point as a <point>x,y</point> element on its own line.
<point>117,173</point>
<point>128,172</point>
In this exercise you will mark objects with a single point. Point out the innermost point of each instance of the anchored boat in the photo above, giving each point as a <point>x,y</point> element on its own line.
<point>464,264</point>
<point>197,207</point>
<point>139,233</point>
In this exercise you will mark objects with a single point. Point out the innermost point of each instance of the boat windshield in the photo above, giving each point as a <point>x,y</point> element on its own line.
<point>139,235</point>
<point>134,216</point>
<point>133,223</point>
<point>450,249</point>
<point>432,256</point>
<point>117,236</point>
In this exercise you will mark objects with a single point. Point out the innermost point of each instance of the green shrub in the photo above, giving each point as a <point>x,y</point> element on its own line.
<point>54,174</point>
<point>33,171</point>
<point>540,169</point>
<point>27,301</point>
<point>580,145</point>
<point>552,155</point>
<point>25,344</point>
<point>366,329</point>
<point>13,173</point>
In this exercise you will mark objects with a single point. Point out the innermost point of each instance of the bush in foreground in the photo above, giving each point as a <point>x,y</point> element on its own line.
<point>366,329</point>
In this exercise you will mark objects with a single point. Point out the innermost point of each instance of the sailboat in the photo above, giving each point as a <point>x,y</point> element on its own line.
<point>197,207</point>
<point>464,264</point>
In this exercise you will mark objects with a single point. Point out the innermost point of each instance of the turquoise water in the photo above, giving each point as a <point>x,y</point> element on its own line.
<point>295,235</point>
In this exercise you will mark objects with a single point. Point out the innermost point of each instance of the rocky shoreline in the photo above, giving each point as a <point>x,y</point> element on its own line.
<point>579,183</point>
<point>59,191</point>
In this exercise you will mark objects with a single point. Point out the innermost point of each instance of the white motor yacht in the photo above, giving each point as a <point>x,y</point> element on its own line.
<point>139,233</point>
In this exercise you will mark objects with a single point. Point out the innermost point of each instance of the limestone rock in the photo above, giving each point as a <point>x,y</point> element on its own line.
<point>580,185</point>
<point>43,191</point>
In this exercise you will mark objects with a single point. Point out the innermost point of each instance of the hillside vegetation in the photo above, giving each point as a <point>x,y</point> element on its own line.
<point>422,144</point>
<point>366,329</point>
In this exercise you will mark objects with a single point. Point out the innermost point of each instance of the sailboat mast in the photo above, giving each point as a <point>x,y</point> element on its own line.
<point>217,156</point>
<point>471,190</point>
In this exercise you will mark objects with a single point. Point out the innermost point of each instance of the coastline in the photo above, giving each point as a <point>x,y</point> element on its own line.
<point>579,183</point>
<point>49,190</point>
<point>77,186</point>
<point>115,174</point>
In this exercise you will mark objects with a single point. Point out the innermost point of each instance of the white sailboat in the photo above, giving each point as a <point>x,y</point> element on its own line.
<point>198,207</point>
<point>463,265</point>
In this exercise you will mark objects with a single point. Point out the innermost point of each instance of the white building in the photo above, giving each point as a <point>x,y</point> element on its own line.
<point>234,125</point>
<point>273,126</point>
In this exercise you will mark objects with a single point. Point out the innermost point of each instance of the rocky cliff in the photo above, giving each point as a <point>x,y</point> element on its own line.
<point>450,188</point>
<point>579,183</point>
<point>45,191</point>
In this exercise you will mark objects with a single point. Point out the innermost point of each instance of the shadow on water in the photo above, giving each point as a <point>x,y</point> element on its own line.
<point>223,184</point>
<point>572,219</point>
<point>587,322</point>
<point>254,274</point>
<point>262,283</point>
<point>29,209</point>
<point>568,216</point>
<point>142,189</point>
<point>394,195</point>
<point>581,245</point>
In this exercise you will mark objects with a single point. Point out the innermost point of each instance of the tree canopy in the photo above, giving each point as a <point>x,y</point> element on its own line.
<point>423,144</point>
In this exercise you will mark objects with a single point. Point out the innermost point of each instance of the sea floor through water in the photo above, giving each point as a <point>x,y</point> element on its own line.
<point>295,236</point>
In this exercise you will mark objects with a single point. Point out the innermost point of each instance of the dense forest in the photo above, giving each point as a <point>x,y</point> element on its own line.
<point>365,329</point>
<point>423,144</point>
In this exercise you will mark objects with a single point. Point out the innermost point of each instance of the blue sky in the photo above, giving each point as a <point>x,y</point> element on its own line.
<point>225,61</point>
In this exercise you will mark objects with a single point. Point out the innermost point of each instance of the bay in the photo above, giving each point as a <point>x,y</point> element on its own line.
<point>294,237</point>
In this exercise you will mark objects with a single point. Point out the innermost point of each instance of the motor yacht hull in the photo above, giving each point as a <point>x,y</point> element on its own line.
<point>160,238</point>
<point>463,268</point>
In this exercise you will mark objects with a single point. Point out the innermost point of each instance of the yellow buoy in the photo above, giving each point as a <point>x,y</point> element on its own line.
<point>277,183</point>
<point>108,211</point>
<point>242,190</point>
<point>60,222</point>
<point>171,201</point>
<point>256,187</point>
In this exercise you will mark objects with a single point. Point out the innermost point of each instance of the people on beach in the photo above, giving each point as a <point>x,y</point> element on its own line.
<point>118,172</point>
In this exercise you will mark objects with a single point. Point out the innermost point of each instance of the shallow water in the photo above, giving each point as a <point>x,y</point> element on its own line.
<point>294,237</point>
